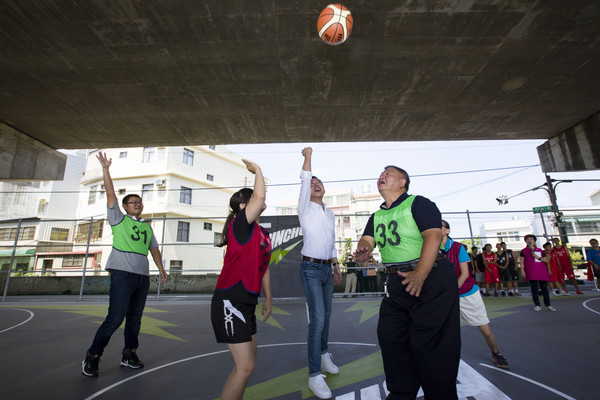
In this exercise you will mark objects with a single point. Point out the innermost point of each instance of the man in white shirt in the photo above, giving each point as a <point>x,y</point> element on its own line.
<point>319,255</point>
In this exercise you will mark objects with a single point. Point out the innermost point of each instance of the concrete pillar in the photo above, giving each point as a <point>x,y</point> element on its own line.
<point>575,149</point>
<point>25,159</point>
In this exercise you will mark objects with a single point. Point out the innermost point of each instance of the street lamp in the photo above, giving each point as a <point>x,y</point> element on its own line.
<point>550,187</point>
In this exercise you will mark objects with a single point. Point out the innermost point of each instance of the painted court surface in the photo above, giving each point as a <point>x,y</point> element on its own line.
<point>43,341</point>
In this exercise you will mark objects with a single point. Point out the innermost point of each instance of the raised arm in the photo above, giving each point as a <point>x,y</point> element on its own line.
<point>257,204</point>
<point>111,196</point>
<point>307,153</point>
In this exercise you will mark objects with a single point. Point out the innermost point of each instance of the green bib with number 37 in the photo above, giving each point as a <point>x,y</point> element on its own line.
<point>397,234</point>
<point>132,236</point>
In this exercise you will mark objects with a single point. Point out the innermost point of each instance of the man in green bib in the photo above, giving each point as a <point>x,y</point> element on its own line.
<point>129,275</point>
<point>419,325</point>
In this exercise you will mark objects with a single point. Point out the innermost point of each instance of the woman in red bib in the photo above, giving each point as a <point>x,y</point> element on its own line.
<point>245,271</point>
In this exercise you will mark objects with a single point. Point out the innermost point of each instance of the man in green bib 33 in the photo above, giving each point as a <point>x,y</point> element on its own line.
<point>419,325</point>
<point>129,275</point>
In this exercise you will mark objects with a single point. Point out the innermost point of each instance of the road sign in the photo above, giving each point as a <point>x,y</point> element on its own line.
<point>544,209</point>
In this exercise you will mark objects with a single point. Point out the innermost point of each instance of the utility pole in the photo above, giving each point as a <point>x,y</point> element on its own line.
<point>564,239</point>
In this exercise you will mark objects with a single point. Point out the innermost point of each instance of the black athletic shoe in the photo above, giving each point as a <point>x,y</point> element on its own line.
<point>89,366</point>
<point>499,360</point>
<point>130,359</point>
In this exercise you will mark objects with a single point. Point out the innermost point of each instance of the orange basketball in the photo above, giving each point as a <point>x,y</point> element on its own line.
<point>334,24</point>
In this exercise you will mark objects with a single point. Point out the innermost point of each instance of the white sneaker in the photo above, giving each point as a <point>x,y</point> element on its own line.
<point>537,308</point>
<point>565,293</point>
<point>327,364</point>
<point>319,387</point>
<point>550,308</point>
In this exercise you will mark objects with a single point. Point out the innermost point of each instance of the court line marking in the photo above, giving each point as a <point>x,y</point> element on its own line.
<point>114,385</point>
<point>31,315</point>
<point>561,394</point>
<point>588,308</point>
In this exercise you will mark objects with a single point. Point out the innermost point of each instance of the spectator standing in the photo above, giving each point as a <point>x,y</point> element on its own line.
<point>512,270</point>
<point>556,273</point>
<point>593,257</point>
<point>350,289</point>
<point>372,275</point>
<point>491,270</point>
<point>503,273</point>
<point>536,272</point>
<point>564,257</point>
<point>477,260</point>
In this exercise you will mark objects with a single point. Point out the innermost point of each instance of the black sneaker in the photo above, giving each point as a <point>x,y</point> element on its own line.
<point>130,359</point>
<point>499,360</point>
<point>89,366</point>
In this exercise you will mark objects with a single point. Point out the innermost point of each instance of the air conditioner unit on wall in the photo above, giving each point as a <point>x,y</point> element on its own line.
<point>161,182</point>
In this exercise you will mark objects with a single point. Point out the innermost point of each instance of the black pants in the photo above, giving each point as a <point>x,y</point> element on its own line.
<point>420,336</point>
<point>535,286</point>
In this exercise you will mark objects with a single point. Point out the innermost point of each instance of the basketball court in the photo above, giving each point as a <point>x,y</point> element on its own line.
<point>43,341</point>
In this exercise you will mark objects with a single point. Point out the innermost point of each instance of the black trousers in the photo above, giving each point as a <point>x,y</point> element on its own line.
<point>420,336</point>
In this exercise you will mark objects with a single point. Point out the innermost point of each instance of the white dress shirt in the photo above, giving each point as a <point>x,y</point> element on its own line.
<point>317,222</point>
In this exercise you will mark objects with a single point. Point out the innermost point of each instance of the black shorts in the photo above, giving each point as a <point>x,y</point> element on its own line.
<point>514,274</point>
<point>233,322</point>
<point>504,274</point>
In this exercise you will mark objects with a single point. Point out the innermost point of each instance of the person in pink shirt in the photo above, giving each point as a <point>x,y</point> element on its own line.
<point>536,272</point>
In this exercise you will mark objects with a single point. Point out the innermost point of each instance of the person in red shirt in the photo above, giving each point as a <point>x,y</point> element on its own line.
<point>491,270</point>
<point>245,271</point>
<point>556,272</point>
<point>564,258</point>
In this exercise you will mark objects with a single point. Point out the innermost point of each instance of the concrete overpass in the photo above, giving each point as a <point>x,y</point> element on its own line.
<point>83,74</point>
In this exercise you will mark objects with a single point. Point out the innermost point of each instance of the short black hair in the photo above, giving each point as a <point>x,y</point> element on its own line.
<point>503,243</point>
<point>474,248</point>
<point>129,196</point>
<point>530,235</point>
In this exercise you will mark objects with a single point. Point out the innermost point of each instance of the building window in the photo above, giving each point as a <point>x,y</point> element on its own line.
<point>183,231</point>
<point>211,146</point>
<point>185,195</point>
<point>507,236</point>
<point>26,233</point>
<point>102,193</point>
<point>175,267</point>
<point>149,153</point>
<point>92,194</point>
<point>123,154</point>
<point>217,238</point>
<point>147,192</point>
<point>209,177</point>
<point>122,192</point>
<point>188,157</point>
<point>60,234</point>
<point>208,226</point>
<point>73,261</point>
<point>83,230</point>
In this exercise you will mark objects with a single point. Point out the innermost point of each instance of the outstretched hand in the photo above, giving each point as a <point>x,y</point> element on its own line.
<point>105,162</point>
<point>252,167</point>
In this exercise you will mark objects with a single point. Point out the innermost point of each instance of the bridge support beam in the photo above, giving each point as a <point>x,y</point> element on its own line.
<point>575,149</point>
<point>25,159</point>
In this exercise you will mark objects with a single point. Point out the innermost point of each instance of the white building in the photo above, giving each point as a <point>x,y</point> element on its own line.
<point>186,193</point>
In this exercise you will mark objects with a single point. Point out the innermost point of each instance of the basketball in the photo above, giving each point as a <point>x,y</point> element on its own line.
<point>334,24</point>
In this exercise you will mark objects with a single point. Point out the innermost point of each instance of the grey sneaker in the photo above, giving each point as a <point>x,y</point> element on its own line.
<point>130,359</point>
<point>550,308</point>
<point>89,366</point>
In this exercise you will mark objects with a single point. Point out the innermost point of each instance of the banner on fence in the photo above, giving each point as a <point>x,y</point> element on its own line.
<point>286,241</point>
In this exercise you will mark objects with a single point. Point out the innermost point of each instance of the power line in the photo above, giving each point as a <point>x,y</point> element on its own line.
<point>295,183</point>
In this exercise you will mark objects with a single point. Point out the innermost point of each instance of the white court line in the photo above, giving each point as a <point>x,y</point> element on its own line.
<point>561,394</point>
<point>31,315</point>
<point>114,385</point>
<point>588,308</point>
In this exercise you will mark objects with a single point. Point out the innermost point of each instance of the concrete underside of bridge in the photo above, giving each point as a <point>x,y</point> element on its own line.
<point>163,72</point>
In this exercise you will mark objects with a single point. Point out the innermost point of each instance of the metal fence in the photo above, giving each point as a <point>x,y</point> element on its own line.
<point>76,250</point>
